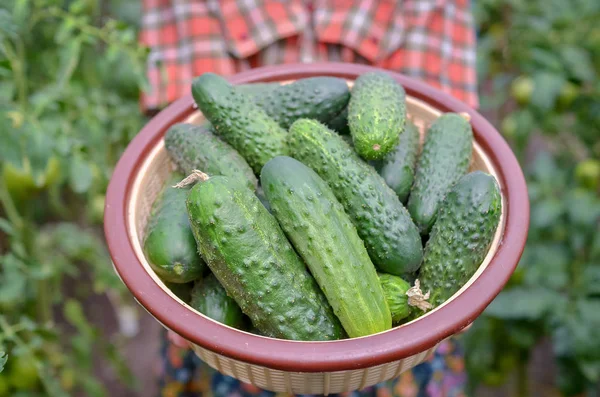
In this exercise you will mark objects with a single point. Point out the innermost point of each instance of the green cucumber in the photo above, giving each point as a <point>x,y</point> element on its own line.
<point>398,167</point>
<point>169,245</point>
<point>238,120</point>
<point>444,159</point>
<point>194,147</point>
<point>391,238</point>
<point>182,291</point>
<point>318,98</point>
<point>324,236</point>
<point>249,254</point>
<point>210,298</point>
<point>257,89</point>
<point>402,300</point>
<point>462,235</point>
<point>340,123</point>
<point>376,114</point>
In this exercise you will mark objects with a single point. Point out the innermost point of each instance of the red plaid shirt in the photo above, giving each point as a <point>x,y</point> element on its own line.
<point>433,40</point>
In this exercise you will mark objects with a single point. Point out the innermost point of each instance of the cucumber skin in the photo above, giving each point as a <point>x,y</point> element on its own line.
<point>210,298</point>
<point>398,167</point>
<point>394,289</point>
<point>318,98</point>
<point>461,237</point>
<point>376,114</point>
<point>194,147</point>
<point>444,159</point>
<point>249,254</point>
<point>169,245</point>
<point>339,123</point>
<point>391,238</point>
<point>239,121</point>
<point>324,236</point>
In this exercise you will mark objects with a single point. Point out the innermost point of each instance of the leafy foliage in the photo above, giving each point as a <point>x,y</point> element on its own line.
<point>539,63</point>
<point>70,75</point>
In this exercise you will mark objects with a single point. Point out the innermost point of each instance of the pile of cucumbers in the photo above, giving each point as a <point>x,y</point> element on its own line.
<point>279,223</point>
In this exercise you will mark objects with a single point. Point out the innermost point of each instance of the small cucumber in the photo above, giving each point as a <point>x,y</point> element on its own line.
<point>249,254</point>
<point>194,147</point>
<point>183,291</point>
<point>318,98</point>
<point>169,244</point>
<point>324,236</point>
<point>238,120</point>
<point>398,167</point>
<point>340,123</point>
<point>403,300</point>
<point>390,236</point>
<point>210,298</point>
<point>462,235</point>
<point>376,114</point>
<point>445,158</point>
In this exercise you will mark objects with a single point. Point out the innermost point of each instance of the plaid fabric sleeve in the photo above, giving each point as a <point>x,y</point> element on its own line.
<point>433,40</point>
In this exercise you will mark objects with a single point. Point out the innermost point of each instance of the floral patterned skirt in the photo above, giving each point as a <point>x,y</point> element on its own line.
<point>183,374</point>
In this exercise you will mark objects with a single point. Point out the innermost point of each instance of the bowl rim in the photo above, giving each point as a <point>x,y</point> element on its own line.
<point>349,354</point>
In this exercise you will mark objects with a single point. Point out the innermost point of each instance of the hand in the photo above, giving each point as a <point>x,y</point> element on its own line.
<point>177,340</point>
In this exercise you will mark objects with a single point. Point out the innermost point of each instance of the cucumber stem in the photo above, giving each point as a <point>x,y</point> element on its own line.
<point>195,176</point>
<point>416,297</point>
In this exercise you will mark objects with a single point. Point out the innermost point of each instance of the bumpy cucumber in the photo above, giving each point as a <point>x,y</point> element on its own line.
<point>257,89</point>
<point>249,254</point>
<point>183,291</point>
<point>194,147</point>
<point>340,123</point>
<point>319,98</point>
<point>169,244</point>
<point>398,167</point>
<point>461,237</point>
<point>390,236</point>
<point>210,298</point>
<point>324,236</point>
<point>445,158</point>
<point>376,114</point>
<point>238,120</point>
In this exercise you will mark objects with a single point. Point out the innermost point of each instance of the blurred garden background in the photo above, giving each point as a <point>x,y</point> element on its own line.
<point>70,77</point>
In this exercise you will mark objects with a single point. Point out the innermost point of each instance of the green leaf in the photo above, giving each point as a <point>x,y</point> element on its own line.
<point>591,279</point>
<point>73,312</point>
<point>93,388</point>
<point>547,212</point>
<point>13,282</point>
<point>6,226</point>
<point>547,86</point>
<point>80,176</point>
<point>578,62</point>
<point>8,28</point>
<point>522,303</point>
<point>3,359</point>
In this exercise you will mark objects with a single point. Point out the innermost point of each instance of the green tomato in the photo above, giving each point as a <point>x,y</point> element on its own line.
<point>23,373</point>
<point>521,89</point>
<point>20,181</point>
<point>567,95</point>
<point>4,386</point>
<point>587,173</point>
<point>509,127</point>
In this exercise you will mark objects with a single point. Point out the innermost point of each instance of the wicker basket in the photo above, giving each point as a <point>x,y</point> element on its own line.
<point>310,367</point>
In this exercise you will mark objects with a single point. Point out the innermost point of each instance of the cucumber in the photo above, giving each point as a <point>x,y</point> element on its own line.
<point>444,159</point>
<point>402,300</point>
<point>319,98</point>
<point>324,236</point>
<point>257,89</point>
<point>194,147</point>
<point>210,298</point>
<point>238,120</point>
<point>340,123</point>
<point>398,167</point>
<point>169,245</point>
<point>391,238</point>
<point>249,254</point>
<point>183,291</point>
<point>462,235</point>
<point>376,114</point>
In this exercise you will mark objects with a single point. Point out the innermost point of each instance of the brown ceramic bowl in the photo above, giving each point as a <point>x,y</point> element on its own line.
<point>310,367</point>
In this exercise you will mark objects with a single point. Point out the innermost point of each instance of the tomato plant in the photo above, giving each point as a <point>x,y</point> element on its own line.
<point>549,52</point>
<point>65,117</point>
